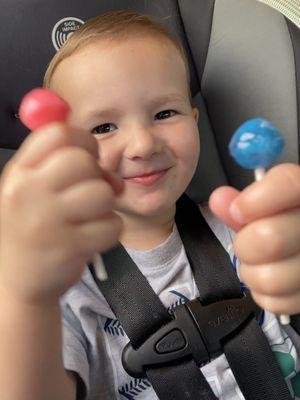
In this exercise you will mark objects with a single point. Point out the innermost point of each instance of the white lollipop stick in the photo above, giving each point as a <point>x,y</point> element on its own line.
<point>99,267</point>
<point>259,173</point>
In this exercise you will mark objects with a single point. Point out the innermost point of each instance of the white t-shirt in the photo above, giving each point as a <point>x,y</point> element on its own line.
<point>93,338</point>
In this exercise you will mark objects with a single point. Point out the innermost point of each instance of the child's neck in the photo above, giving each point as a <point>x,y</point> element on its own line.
<point>143,234</point>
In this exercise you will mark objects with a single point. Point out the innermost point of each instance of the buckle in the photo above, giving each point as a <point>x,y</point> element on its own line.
<point>196,331</point>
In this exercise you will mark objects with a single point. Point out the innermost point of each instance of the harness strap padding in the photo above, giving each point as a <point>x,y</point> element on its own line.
<point>140,312</point>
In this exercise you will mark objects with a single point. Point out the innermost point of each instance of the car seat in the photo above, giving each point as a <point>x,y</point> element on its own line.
<point>244,58</point>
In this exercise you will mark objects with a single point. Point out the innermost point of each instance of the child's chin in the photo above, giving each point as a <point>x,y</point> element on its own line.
<point>150,208</point>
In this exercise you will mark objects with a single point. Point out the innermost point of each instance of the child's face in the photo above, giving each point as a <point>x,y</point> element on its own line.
<point>134,95</point>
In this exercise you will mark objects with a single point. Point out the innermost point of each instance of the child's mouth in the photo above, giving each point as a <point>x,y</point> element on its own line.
<point>148,180</point>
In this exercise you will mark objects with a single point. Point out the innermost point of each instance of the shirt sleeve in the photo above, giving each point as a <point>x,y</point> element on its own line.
<point>74,350</point>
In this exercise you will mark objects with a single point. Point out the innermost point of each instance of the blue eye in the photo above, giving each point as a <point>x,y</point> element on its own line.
<point>165,114</point>
<point>104,128</point>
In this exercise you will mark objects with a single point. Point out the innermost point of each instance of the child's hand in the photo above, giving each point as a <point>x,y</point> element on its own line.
<point>267,217</point>
<point>55,211</point>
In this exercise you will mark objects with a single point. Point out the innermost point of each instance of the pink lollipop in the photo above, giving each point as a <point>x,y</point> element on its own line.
<point>40,107</point>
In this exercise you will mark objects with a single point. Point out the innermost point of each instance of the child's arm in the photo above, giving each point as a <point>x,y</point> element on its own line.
<point>31,364</point>
<point>56,211</point>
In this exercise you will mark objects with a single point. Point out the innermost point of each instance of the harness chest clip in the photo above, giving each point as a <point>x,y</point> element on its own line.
<point>196,331</point>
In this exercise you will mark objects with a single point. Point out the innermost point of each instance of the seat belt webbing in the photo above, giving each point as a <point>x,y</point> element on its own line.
<point>141,312</point>
<point>191,385</point>
<point>123,291</point>
<point>248,353</point>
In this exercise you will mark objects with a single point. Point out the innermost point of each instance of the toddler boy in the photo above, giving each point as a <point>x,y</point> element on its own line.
<point>114,173</point>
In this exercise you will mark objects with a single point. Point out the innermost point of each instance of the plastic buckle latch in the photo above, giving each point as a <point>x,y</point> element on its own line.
<point>196,331</point>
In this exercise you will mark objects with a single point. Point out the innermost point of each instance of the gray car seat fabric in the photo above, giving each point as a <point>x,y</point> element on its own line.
<point>249,73</point>
<point>243,56</point>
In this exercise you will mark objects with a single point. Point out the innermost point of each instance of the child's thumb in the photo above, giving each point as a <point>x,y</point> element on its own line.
<point>219,203</point>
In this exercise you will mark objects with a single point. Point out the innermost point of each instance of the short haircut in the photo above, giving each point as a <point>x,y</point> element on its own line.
<point>114,25</point>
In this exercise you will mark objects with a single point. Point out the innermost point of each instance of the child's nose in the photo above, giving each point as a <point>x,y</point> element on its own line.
<point>143,142</point>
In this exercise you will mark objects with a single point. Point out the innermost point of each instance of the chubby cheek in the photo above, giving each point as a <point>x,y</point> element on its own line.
<point>187,149</point>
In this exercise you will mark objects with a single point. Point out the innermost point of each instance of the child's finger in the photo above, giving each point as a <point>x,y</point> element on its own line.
<point>45,141</point>
<point>269,239</point>
<point>286,305</point>
<point>219,203</point>
<point>280,278</point>
<point>87,201</point>
<point>68,166</point>
<point>278,191</point>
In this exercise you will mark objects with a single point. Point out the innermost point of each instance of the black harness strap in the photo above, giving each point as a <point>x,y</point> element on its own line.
<point>254,366</point>
<point>124,290</point>
<point>141,313</point>
<point>215,277</point>
<point>295,322</point>
<point>166,347</point>
<point>180,381</point>
<point>248,352</point>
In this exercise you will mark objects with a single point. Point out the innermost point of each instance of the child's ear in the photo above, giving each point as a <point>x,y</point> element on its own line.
<point>196,114</point>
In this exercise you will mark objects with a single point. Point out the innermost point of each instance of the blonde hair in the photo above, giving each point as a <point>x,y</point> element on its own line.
<point>112,25</point>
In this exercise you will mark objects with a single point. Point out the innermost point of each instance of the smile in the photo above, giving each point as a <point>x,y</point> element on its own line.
<point>149,179</point>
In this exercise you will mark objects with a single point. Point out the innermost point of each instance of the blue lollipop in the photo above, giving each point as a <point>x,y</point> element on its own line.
<point>257,145</point>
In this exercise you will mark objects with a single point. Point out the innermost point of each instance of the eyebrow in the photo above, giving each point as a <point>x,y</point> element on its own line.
<point>172,97</point>
<point>107,112</point>
<point>156,102</point>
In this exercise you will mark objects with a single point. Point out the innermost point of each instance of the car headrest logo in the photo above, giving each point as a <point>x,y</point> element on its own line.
<point>63,29</point>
